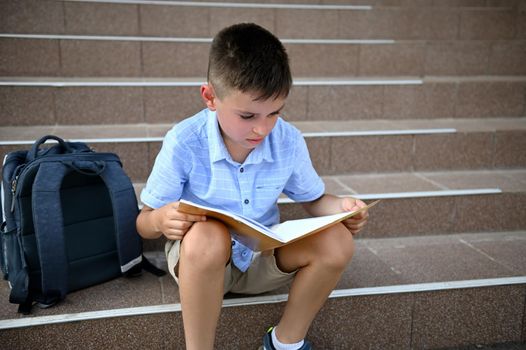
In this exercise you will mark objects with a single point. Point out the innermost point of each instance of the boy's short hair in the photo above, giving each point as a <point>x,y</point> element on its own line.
<point>249,58</point>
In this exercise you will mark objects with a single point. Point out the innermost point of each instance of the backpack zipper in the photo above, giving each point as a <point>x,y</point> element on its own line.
<point>14,184</point>
<point>13,192</point>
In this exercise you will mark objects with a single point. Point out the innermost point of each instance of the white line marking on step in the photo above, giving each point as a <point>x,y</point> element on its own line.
<point>190,83</point>
<point>105,38</point>
<point>306,134</point>
<point>417,194</point>
<point>410,195</point>
<point>234,5</point>
<point>191,40</point>
<point>382,132</point>
<point>117,83</point>
<point>323,82</point>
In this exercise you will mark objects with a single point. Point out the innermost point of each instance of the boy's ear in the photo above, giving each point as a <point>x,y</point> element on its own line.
<point>208,96</point>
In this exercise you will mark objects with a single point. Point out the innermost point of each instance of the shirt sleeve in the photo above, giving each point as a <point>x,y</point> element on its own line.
<point>169,174</point>
<point>304,185</point>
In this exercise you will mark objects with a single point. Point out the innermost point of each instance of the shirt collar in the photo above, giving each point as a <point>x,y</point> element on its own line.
<point>218,150</point>
<point>263,152</point>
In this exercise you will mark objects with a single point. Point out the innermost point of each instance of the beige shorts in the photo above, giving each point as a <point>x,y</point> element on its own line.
<point>263,274</point>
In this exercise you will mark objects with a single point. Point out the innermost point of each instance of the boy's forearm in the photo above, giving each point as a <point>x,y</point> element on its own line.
<point>327,204</point>
<point>145,225</point>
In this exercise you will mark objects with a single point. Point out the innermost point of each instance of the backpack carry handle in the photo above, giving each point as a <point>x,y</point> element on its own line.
<point>36,146</point>
<point>89,168</point>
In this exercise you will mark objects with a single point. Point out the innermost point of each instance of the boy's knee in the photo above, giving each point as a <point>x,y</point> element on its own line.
<point>206,244</point>
<point>338,247</point>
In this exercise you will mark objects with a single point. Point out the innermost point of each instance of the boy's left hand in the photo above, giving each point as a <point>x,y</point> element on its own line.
<point>356,223</point>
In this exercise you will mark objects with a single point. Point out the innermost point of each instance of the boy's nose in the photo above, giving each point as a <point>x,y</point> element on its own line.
<point>264,127</point>
<point>260,129</point>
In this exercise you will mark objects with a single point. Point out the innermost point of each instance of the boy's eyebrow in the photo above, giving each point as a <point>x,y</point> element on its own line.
<point>275,112</point>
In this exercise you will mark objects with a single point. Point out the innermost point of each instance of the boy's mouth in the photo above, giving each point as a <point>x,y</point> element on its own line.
<point>255,141</point>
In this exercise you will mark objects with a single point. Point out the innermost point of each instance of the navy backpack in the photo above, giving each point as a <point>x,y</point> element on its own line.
<point>69,222</point>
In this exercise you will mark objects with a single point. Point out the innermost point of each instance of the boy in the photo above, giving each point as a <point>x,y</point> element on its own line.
<point>239,155</point>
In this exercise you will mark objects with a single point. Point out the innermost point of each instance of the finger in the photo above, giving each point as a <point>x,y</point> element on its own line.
<point>355,227</point>
<point>356,207</point>
<point>175,234</point>
<point>356,224</point>
<point>361,203</point>
<point>180,224</point>
<point>174,237</point>
<point>357,218</point>
<point>194,218</point>
<point>354,220</point>
<point>354,230</point>
<point>363,213</point>
<point>349,205</point>
<point>177,215</point>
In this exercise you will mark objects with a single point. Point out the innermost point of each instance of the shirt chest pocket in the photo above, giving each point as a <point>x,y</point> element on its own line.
<point>268,187</point>
<point>269,191</point>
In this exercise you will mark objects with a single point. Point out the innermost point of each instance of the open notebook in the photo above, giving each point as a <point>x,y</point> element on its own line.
<point>259,237</point>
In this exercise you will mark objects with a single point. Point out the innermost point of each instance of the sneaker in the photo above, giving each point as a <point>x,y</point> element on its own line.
<point>267,342</point>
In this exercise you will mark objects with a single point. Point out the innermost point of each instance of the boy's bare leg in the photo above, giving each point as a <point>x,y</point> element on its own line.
<point>205,251</point>
<point>320,259</point>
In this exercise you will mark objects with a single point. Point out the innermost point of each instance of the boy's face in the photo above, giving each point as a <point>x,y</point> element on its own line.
<point>244,122</point>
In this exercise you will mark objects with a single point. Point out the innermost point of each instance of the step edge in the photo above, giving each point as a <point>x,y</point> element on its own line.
<point>421,194</point>
<point>284,5</point>
<point>233,4</point>
<point>208,40</point>
<point>192,40</point>
<point>141,82</point>
<point>409,195</point>
<point>394,132</point>
<point>301,81</point>
<point>397,132</point>
<point>257,300</point>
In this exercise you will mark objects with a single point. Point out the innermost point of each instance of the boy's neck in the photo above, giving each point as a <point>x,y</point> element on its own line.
<point>238,154</point>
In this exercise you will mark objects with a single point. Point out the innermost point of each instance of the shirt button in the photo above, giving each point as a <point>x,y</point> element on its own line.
<point>241,170</point>
<point>233,243</point>
<point>244,253</point>
<point>246,201</point>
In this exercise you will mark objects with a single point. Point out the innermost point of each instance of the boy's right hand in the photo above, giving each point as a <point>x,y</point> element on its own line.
<point>172,223</point>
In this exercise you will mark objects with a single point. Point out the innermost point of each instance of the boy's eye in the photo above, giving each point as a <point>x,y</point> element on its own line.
<point>246,116</point>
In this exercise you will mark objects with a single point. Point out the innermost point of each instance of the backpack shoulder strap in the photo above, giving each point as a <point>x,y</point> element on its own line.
<point>20,288</point>
<point>125,210</point>
<point>49,228</point>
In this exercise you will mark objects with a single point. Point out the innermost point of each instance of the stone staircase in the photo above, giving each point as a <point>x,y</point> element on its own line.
<point>419,103</point>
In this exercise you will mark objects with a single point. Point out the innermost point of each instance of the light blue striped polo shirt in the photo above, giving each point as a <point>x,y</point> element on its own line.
<point>195,165</point>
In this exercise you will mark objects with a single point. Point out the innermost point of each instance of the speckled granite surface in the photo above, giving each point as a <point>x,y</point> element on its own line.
<point>377,262</point>
<point>421,320</point>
